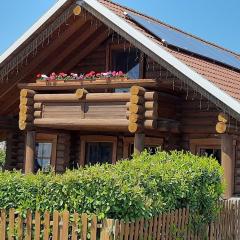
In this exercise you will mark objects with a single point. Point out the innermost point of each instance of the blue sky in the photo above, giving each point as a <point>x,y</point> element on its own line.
<point>214,20</point>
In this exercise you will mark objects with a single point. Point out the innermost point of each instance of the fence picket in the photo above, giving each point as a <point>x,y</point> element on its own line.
<point>75,226</point>
<point>11,224</point>
<point>55,231</point>
<point>122,226</point>
<point>171,226</point>
<point>136,231</point>
<point>145,230</point>
<point>150,229</point>
<point>84,219</point>
<point>159,227</point>
<point>131,231</point>
<point>94,227</point>
<point>65,223</point>
<point>188,232</point>
<point>20,227</point>
<point>163,232</point>
<point>3,225</point>
<point>116,230</point>
<point>46,225</point>
<point>29,225</point>
<point>168,219</point>
<point>155,221</point>
<point>126,232</point>
<point>175,223</point>
<point>37,225</point>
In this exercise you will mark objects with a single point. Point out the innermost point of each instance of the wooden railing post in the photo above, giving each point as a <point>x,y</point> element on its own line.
<point>29,152</point>
<point>227,163</point>
<point>139,143</point>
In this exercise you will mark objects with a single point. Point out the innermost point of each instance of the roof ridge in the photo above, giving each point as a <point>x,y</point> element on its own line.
<point>175,28</point>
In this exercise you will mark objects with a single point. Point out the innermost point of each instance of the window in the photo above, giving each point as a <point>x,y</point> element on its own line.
<point>214,152</point>
<point>45,152</point>
<point>99,152</point>
<point>98,149</point>
<point>43,156</point>
<point>127,62</point>
<point>151,144</point>
<point>206,146</point>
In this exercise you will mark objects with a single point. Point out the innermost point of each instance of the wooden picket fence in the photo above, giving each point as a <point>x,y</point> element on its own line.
<point>168,226</point>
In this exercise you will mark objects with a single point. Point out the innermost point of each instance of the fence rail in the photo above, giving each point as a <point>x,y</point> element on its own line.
<point>168,226</point>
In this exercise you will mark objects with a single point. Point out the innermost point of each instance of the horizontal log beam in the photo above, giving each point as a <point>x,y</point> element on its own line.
<point>90,97</point>
<point>91,84</point>
<point>83,124</point>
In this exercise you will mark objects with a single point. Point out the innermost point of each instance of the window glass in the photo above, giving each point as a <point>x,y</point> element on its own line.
<point>216,153</point>
<point>99,152</point>
<point>43,156</point>
<point>127,62</point>
<point>151,149</point>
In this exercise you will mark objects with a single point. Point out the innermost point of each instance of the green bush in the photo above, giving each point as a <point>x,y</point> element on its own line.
<point>141,187</point>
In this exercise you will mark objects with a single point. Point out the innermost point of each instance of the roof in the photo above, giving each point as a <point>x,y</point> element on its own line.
<point>222,76</point>
<point>217,82</point>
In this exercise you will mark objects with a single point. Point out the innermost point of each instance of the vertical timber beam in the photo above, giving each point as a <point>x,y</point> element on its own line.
<point>227,163</point>
<point>29,152</point>
<point>138,143</point>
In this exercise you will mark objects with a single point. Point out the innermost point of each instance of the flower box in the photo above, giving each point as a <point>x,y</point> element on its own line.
<point>55,79</point>
<point>97,80</point>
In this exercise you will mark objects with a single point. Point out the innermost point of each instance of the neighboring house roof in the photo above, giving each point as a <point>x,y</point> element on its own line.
<point>215,81</point>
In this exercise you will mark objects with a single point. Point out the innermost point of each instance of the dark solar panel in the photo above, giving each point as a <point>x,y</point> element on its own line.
<point>185,42</point>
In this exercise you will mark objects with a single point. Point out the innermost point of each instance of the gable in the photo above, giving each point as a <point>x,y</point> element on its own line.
<point>214,82</point>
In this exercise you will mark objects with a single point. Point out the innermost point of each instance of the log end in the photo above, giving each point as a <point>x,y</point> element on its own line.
<point>81,93</point>
<point>134,127</point>
<point>223,117</point>
<point>27,93</point>
<point>221,127</point>
<point>137,99</point>
<point>136,90</point>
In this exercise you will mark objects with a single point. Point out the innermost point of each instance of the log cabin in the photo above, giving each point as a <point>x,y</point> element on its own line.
<point>179,92</point>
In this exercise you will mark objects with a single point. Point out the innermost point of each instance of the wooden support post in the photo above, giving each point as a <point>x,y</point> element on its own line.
<point>227,163</point>
<point>138,143</point>
<point>29,152</point>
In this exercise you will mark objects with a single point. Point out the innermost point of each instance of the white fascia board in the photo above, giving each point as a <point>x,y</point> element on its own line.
<point>32,29</point>
<point>163,54</point>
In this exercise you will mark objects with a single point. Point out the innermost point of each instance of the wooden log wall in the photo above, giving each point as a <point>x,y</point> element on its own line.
<point>96,61</point>
<point>63,152</point>
<point>15,148</point>
<point>75,146</point>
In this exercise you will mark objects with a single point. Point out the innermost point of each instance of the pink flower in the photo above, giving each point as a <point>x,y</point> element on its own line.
<point>39,75</point>
<point>62,74</point>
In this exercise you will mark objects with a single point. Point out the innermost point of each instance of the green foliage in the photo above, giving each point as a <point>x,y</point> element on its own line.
<point>141,187</point>
<point>2,157</point>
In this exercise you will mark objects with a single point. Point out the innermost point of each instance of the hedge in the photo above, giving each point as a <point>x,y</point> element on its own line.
<point>141,187</point>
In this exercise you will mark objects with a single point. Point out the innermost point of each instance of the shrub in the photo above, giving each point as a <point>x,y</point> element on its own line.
<point>141,187</point>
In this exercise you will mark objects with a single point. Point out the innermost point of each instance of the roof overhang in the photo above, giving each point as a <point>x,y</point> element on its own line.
<point>10,53</point>
<point>159,54</point>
